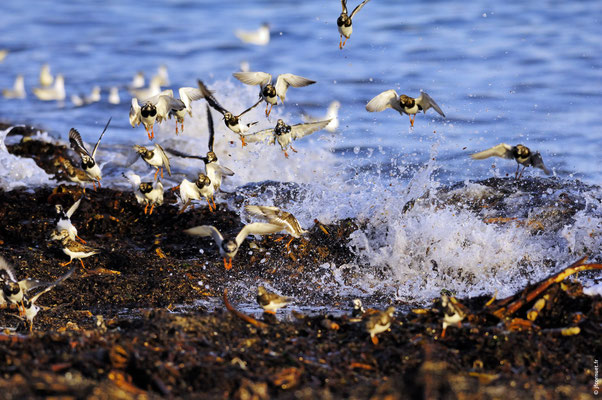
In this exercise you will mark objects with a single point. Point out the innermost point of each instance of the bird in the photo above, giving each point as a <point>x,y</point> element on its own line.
<point>201,187</point>
<point>344,22</point>
<point>46,77</point>
<point>269,301</point>
<point>89,164</point>
<point>31,309</point>
<point>403,104</point>
<point>93,97</point>
<point>63,220</point>
<point>156,108</point>
<point>11,290</point>
<point>453,312</point>
<point>521,154</point>
<point>379,322</point>
<point>155,157</point>
<point>284,134</point>
<point>358,308</point>
<point>114,95</point>
<point>74,174</point>
<point>187,96</point>
<point>153,89</point>
<point>72,248</point>
<point>3,54</point>
<point>268,92</point>
<point>259,37</point>
<point>55,92</point>
<point>232,121</point>
<point>148,193</point>
<point>162,75</point>
<point>276,216</point>
<point>229,247</point>
<point>18,90</point>
<point>137,81</point>
<point>332,114</point>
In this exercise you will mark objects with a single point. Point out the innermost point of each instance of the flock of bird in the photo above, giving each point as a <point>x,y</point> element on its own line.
<point>151,105</point>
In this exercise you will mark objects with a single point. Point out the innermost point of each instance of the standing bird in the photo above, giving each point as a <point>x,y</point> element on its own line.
<point>276,216</point>
<point>63,220</point>
<point>155,157</point>
<point>153,89</point>
<point>258,37</point>
<point>137,81</point>
<point>55,92</point>
<point>285,134</point>
<point>453,312</point>
<point>344,22</point>
<point>520,153</point>
<point>379,322</point>
<point>74,174</point>
<point>82,100</point>
<point>156,108</point>
<point>18,90</point>
<point>46,77</point>
<point>187,96</point>
<point>31,309</point>
<point>89,164</point>
<point>72,248</point>
<point>232,121</point>
<point>268,92</point>
<point>269,301</point>
<point>403,104</point>
<point>229,247</point>
<point>114,95</point>
<point>11,290</point>
<point>162,76</point>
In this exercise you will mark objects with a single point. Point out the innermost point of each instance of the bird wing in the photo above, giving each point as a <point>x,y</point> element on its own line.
<point>211,129</point>
<point>165,104</point>
<point>253,78</point>
<point>206,230</point>
<point>4,265</point>
<point>537,162</point>
<point>358,8</point>
<point>190,93</point>
<point>256,228</point>
<point>344,5</point>
<point>300,130</point>
<point>27,284</point>
<point>224,170</point>
<point>178,153</point>
<point>134,113</point>
<point>272,214</point>
<point>163,157</point>
<point>133,178</point>
<point>76,142</point>
<point>259,136</point>
<point>74,207</point>
<point>250,108</point>
<point>286,80</point>
<point>154,99</point>
<point>208,95</point>
<point>54,284</point>
<point>426,102</point>
<point>387,99</point>
<point>501,150</point>
<point>101,135</point>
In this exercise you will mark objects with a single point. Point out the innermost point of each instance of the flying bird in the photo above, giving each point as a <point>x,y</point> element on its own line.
<point>156,108</point>
<point>379,322</point>
<point>89,164</point>
<point>276,216</point>
<point>521,154</point>
<point>155,157</point>
<point>453,312</point>
<point>403,104</point>
<point>18,90</point>
<point>63,220</point>
<point>344,22</point>
<point>268,92</point>
<point>187,96</point>
<point>13,291</point>
<point>148,193</point>
<point>258,37</point>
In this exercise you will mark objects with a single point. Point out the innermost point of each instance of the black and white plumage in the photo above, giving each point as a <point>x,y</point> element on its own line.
<point>285,134</point>
<point>156,108</point>
<point>89,164</point>
<point>276,216</point>
<point>379,322</point>
<point>72,248</point>
<point>13,291</point>
<point>453,312</point>
<point>269,301</point>
<point>268,92</point>
<point>403,104</point>
<point>232,121</point>
<point>521,154</point>
<point>148,193</point>
<point>229,247</point>
<point>63,219</point>
<point>31,308</point>
<point>155,157</point>
<point>344,22</point>
<point>187,96</point>
<point>201,187</point>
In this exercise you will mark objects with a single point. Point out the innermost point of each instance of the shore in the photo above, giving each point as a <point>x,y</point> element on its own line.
<point>130,324</point>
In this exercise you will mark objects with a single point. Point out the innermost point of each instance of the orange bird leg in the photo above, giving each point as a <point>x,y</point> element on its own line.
<point>344,41</point>
<point>227,263</point>
<point>412,120</point>
<point>80,239</point>
<point>516,173</point>
<point>443,333</point>
<point>157,173</point>
<point>213,201</point>
<point>151,210</point>
<point>98,182</point>
<point>374,340</point>
<point>292,148</point>
<point>289,243</point>
<point>285,154</point>
<point>266,108</point>
<point>268,112</point>
<point>208,202</point>
<point>242,140</point>
<point>280,239</point>
<point>341,43</point>
<point>82,261</point>
<point>176,127</point>
<point>161,172</point>
<point>67,263</point>
<point>182,123</point>
<point>145,208</point>
<point>175,188</point>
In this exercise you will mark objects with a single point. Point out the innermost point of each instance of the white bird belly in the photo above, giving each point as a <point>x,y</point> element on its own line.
<point>346,30</point>
<point>94,172</point>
